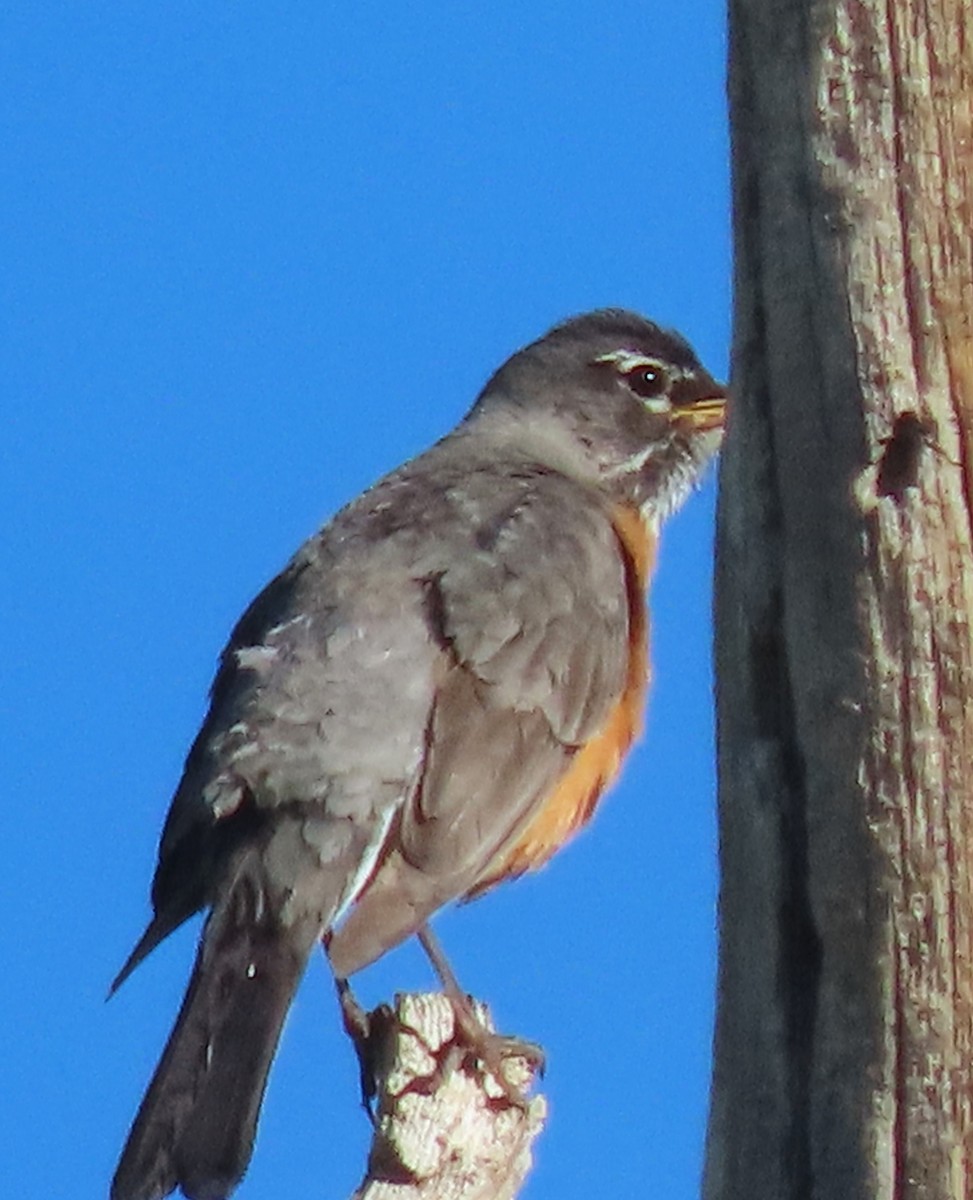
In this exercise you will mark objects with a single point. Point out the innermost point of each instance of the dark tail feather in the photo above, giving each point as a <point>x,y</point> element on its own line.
<point>196,1125</point>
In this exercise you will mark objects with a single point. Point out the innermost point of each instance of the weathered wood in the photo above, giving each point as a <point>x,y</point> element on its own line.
<point>844,1044</point>
<point>444,1129</point>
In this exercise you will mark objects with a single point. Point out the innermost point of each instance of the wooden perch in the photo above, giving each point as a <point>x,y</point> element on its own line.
<point>444,1130</point>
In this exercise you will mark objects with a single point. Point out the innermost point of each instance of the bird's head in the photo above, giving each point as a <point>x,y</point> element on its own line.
<point>614,400</point>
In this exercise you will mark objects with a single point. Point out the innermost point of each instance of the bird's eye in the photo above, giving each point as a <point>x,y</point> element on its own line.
<point>648,380</point>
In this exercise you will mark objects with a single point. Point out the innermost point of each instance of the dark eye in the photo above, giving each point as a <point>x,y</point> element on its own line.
<point>648,380</point>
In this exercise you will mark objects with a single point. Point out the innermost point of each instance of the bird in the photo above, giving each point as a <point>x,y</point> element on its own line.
<point>429,699</point>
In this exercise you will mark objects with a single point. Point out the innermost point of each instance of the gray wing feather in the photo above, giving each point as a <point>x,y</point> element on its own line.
<point>319,712</point>
<point>537,630</point>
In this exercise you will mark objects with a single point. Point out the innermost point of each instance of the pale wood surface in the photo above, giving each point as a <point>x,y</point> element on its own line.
<point>444,1130</point>
<point>844,1042</point>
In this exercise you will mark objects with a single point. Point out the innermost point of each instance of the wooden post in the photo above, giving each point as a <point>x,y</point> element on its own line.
<point>844,1041</point>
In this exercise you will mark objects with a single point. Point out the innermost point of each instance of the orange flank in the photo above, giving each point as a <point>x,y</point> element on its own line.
<point>596,763</point>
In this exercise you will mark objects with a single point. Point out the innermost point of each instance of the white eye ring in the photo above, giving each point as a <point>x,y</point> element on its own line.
<point>649,378</point>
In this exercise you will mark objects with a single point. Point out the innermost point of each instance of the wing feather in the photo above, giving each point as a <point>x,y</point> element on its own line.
<point>538,633</point>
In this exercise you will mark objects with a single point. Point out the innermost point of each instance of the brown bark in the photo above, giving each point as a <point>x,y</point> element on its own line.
<point>844,601</point>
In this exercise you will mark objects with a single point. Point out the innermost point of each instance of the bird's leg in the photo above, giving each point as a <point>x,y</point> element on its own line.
<point>489,1047</point>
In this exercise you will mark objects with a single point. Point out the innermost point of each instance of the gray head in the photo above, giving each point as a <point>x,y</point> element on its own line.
<point>610,398</point>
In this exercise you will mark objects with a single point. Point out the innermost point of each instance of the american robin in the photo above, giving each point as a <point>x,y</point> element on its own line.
<point>429,699</point>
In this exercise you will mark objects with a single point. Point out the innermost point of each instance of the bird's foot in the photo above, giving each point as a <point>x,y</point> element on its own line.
<point>492,1049</point>
<point>368,1032</point>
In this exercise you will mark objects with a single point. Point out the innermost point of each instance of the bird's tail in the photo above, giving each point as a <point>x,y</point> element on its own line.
<point>196,1126</point>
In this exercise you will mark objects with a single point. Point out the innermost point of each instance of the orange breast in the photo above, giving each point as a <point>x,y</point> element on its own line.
<point>596,763</point>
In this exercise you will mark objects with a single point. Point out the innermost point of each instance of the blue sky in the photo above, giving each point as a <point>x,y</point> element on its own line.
<point>255,256</point>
